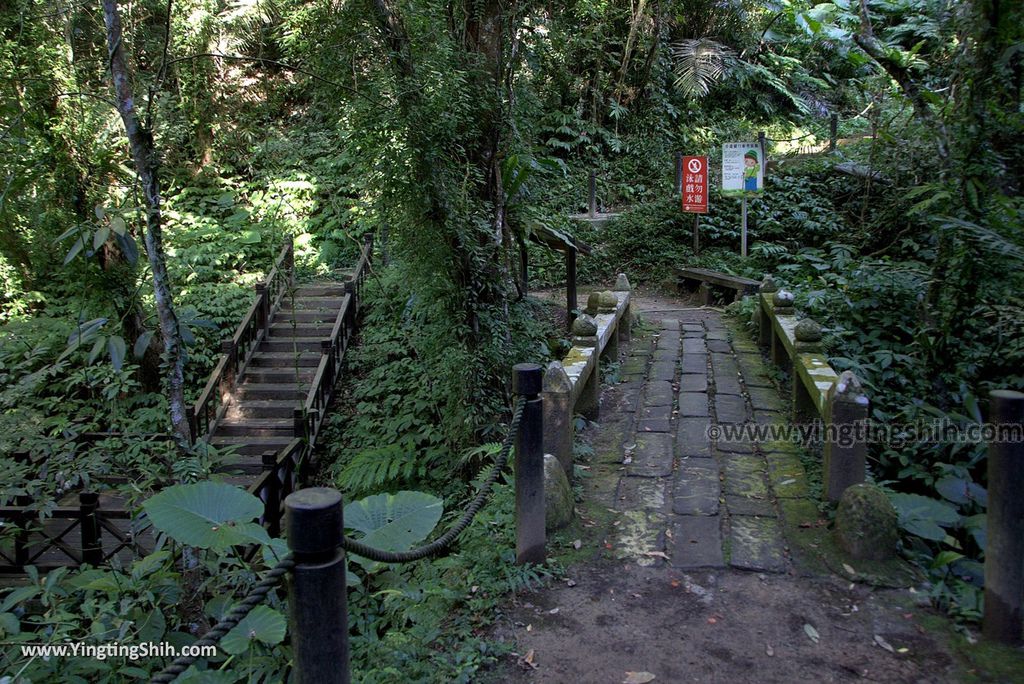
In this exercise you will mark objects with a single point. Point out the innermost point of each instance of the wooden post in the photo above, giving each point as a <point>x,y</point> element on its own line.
<point>524,267</point>
<point>193,425</point>
<point>833,133</point>
<point>1004,553</point>
<point>317,596</point>
<point>89,524</point>
<point>350,290</point>
<point>272,494</point>
<point>263,318</point>
<point>570,284</point>
<point>227,381</point>
<point>531,537</point>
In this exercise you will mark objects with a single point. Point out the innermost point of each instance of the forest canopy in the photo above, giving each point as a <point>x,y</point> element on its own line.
<point>156,155</point>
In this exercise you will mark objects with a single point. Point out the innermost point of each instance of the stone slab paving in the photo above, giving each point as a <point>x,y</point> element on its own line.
<point>691,496</point>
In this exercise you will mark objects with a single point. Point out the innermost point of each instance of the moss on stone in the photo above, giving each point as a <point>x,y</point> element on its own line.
<point>866,523</point>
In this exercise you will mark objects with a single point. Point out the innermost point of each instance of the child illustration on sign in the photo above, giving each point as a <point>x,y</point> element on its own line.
<point>750,168</point>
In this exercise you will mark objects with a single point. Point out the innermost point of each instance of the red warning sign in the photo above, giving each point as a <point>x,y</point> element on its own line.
<point>695,185</point>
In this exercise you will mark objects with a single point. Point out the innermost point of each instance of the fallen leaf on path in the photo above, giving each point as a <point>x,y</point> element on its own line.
<point>553,611</point>
<point>880,640</point>
<point>529,628</point>
<point>527,660</point>
<point>811,633</point>
<point>675,583</point>
<point>849,569</point>
<point>577,544</point>
<point>570,583</point>
<point>659,554</point>
<point>638,678</point>
<point>712,620</point>
<point>769,651</point>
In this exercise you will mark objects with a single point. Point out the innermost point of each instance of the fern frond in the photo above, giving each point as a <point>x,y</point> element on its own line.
<point>700,63</point>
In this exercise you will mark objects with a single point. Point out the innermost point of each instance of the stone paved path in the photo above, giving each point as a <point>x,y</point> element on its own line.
<point>694,501</point>
<point>696,559</point>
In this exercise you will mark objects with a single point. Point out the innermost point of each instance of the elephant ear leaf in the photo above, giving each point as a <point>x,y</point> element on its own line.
<point>207,515</point>
<point>263,624</point>
<point>393,522</point>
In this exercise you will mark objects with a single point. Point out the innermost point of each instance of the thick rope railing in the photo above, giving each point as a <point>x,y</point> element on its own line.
<point>255,597</point>
<point>446,539</point>
<point>259,592</point>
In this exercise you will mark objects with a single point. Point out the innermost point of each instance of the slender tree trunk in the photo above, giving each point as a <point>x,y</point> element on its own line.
<point>140,141</point>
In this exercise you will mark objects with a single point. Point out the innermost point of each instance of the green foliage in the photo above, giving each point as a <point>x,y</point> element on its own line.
<point>427,621</point>
<point>207,515</point>
<point>393,522</point>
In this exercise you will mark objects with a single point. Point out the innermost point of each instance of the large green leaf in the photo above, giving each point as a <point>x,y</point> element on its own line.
<point>394,522</point>
<point>263,624</point>
<point>923,516</point>
<point>207,515</point>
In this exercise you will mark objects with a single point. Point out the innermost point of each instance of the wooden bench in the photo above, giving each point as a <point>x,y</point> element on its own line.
<point>708,279</point>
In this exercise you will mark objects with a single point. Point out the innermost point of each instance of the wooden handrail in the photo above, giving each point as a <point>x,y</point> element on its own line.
<point>333,348</point>
<point>209,407</point>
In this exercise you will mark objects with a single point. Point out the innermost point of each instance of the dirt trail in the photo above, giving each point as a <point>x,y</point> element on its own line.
<point>700,561</point>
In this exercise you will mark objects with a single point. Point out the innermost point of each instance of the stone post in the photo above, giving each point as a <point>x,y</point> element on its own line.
<point>762,319</point>
<point>558,428</point>
<point>808,340</point>
<point>846,444</point>
<point>626,322</point>
<point>584,331</point>
<point>783,306</point>
<point>609,304</point>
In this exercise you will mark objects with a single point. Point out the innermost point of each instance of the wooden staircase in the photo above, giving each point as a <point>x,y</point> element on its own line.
<point>267,397</point>
<point>277,379</point>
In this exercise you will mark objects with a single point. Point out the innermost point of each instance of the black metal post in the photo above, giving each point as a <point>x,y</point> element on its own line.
<point>527,381</point>
<point>833,133</point>
<point>272,502</point>
<point>1004,553</point>
<point>679,173</point>
<point>570,284</point>
<point>317,601</point>
<point>88,521</point>
<point>592,195</point>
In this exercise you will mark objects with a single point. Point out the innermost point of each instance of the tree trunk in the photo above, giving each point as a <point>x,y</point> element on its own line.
<point>144,156</point>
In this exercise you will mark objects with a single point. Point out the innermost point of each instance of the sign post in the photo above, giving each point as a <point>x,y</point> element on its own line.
<point>742,175</point>
<point>695,192</point>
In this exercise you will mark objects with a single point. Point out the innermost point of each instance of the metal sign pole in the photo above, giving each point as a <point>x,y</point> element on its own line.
<point>743,230</point>
<point>696,233</point>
